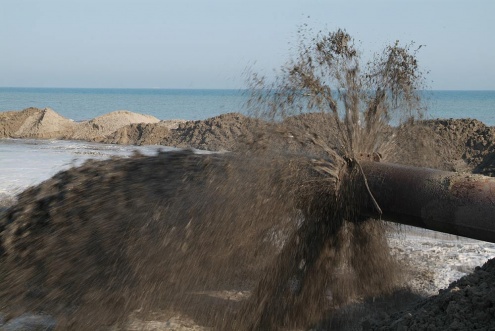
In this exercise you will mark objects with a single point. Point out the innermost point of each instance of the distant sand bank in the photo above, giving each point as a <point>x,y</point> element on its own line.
<point>449,144</point>
<point>47,124</point>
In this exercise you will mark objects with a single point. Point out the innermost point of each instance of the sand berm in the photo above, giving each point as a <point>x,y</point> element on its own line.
<point>448,144</point>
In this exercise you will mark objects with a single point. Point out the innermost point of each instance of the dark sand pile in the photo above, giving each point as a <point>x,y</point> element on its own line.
<point>472,139</point>
<point>487,165</point>
<point>218,133</point>
<point>142,133</point>
<point>453,144</point>
<point>467,304</point>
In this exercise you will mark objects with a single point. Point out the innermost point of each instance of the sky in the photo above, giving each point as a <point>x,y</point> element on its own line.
<point>211,43</point>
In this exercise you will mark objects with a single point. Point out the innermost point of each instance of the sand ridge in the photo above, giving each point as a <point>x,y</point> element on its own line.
<point>47,124</point>
<point>447,144</point>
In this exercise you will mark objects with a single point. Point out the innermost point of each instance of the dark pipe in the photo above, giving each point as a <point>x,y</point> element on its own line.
<point>459,204</point>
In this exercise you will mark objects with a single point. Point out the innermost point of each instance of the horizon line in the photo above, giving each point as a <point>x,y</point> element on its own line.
<point>192,89</point>
<point>123,88</point>
<point>196,88</point>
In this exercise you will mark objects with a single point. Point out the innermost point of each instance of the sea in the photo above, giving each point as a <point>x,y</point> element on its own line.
<point>85,103</point>
<point>28,162</point>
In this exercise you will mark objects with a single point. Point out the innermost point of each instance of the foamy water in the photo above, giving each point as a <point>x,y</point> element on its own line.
<point>445,257</point>
<point>26,162</point>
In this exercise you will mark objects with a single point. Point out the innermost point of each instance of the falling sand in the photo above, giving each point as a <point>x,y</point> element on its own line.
<point>131,237</point>
<point>96,243</point>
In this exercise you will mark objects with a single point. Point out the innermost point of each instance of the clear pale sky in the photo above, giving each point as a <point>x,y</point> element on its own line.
<point>210,43</point>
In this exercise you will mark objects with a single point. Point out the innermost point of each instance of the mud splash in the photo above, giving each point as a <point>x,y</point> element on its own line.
<point>279,218</point>
<point>336,255</point>
<point>94,244</point>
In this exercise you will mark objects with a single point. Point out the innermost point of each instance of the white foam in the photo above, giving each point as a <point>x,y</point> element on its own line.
<point>26,162</point>
<point>446,257</point>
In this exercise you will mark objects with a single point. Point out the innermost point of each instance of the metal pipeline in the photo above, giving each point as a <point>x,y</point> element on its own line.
<point>459,204</point>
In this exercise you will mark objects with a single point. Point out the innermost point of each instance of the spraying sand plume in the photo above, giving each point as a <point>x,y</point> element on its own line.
<point>147,233</point>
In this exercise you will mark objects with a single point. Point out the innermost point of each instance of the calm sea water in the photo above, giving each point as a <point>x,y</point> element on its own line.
<point>462,104</point>
<point>81,104</point>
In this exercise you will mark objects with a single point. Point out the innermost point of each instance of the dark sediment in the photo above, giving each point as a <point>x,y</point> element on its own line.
<point>93,244</point>
<point>467,304</point>
<point>112,236</point>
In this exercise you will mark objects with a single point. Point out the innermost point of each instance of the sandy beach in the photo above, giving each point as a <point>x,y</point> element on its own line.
<point>50,221</point>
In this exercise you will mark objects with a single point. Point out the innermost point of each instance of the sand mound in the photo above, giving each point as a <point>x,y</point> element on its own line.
<point>471,139</point>
<point>417,144</point>
<point>47,124</point>
<point>232,131</point>
<point>35,123</point>
<point>453,144</point>
<point>106,124</point>
<point>222,132</point>
<point>487,165</point>
<point>448,144</point>
<point>467,304</point>
<point>142,133</point>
